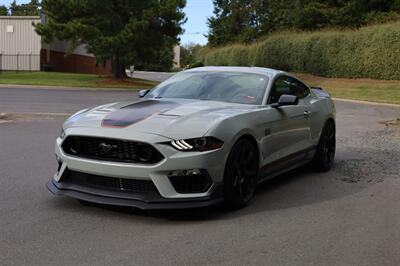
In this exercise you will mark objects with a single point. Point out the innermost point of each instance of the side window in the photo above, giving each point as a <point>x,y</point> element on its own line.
<point>287,85</point>
<point>297,88</point>
<point>281,86</point>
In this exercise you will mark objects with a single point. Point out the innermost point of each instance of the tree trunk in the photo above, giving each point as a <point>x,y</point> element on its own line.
<point>118,69</point>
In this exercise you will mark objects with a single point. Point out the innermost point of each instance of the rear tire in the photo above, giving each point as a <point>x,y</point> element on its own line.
<point>325,154</point>
<point>241,172</point>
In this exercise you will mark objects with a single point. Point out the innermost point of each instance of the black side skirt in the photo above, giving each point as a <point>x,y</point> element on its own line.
<point>286,164</point>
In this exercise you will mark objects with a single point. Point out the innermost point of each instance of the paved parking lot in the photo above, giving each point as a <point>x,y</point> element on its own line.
<point>348,216</point>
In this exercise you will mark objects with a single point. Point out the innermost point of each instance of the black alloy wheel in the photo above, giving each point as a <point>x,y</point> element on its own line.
<point>241,172</point>
<point>325,154</point>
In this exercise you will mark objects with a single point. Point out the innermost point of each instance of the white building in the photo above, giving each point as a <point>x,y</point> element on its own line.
<point>20,45</point>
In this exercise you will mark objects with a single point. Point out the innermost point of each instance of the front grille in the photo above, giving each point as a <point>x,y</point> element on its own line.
<point>114,150</point>
<point>109,183</point>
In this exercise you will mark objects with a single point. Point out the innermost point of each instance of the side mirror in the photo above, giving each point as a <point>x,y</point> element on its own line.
<point>286,99</point>
<point>143,93</point>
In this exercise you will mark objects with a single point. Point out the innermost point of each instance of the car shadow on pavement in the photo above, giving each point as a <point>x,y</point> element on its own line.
<point>296,188</point>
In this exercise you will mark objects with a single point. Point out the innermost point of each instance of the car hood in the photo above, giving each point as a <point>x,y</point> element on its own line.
<point>172,118</point>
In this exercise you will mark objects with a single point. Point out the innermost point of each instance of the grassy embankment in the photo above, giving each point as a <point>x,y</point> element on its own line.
<point>381,91</point>
<point>71,80</point>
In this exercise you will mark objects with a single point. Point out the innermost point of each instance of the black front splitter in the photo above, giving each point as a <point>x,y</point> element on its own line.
<point>156,204</point>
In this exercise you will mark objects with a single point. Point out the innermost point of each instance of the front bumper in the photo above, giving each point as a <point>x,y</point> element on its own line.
<point>167,196</point>
<point>137,201</point>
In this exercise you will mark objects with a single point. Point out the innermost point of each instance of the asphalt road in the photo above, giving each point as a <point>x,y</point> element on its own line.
<point>28,100</point>
<point>348,216</point>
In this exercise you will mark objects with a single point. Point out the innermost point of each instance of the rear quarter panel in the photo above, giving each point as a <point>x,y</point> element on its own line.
<point>322,109</point>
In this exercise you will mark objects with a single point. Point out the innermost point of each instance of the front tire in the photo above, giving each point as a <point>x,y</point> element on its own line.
<point>325,154</point>
<point>241,172</point>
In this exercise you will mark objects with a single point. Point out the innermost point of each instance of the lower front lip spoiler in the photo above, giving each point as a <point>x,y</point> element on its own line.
<point>214,199</point>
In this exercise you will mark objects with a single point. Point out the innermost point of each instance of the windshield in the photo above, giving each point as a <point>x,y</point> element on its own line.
<point>235,87</point>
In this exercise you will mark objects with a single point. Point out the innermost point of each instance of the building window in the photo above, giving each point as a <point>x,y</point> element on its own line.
<point>10,28</point>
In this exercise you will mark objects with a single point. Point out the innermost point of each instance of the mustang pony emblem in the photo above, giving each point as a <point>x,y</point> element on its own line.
<point>105,148</point>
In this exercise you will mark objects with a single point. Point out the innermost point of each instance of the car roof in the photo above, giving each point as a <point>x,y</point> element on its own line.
<point>254,70</point>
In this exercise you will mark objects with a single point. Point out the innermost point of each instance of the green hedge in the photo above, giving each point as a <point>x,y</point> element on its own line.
<point>372,52</point>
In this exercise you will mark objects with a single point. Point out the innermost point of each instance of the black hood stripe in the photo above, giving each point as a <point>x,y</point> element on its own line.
<point>136,112</point>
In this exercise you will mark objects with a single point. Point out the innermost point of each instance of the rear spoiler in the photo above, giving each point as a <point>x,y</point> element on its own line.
<point>320,92</point>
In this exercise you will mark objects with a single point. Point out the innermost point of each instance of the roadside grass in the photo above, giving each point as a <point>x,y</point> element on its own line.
<point>381,91</point>
<point>71,80</point>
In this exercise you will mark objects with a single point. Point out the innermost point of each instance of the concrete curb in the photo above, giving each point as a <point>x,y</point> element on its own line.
<point>366,102</point>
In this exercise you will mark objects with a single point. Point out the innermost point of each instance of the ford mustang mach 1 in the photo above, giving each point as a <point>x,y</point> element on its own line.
<point>205,136</point>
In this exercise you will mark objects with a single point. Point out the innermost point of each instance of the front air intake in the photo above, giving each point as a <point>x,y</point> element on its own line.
<point>190,181</point>
<point>109,183</point>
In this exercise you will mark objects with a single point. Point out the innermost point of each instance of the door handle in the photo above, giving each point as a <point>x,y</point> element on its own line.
<point>307,114</point>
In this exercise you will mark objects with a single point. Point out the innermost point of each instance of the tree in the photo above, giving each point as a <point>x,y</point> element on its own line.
<point>247,20</point>
<point>236,20</point>
<point>30,9</point>
<point>124,31</point>
<point>314,14</point>
<point>188,52</point>
<point>3,10</point>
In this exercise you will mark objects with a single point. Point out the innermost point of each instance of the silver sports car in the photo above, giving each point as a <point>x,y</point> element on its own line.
<point>204,136</point>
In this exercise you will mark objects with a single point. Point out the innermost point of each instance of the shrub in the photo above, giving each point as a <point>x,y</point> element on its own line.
<point>372,52</point>
<point>195,64</point>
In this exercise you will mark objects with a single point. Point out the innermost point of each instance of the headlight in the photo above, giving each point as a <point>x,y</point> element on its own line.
<point>62,133</point>
<point>197,144</point>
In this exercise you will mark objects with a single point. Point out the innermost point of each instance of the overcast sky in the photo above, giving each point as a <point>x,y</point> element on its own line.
<point>196,11</point>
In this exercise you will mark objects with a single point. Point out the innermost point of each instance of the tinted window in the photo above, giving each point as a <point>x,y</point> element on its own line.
<point>281,86</point>
<point>298,88</point>
<point>246,88</point>
<point>287,85</point>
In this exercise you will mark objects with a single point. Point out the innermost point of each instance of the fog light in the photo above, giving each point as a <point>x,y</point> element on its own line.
<point>190,180</point>
<point>185,172</point>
